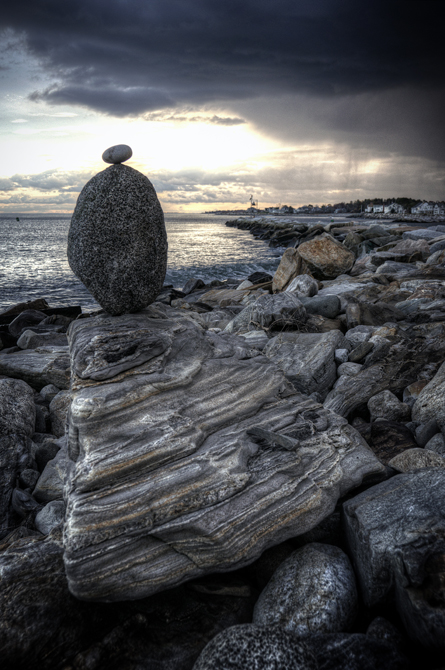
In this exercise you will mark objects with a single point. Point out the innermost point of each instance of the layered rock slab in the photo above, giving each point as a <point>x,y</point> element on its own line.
<point>191,454</point>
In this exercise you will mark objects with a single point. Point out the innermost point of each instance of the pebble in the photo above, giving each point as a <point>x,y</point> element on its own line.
<point>119,153</point>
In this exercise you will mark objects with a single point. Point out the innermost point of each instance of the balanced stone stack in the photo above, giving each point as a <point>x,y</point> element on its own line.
<point>117,243</point>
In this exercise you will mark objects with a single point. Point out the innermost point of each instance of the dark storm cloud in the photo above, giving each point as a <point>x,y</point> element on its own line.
<point>128,56</point>
<point>132,57</point>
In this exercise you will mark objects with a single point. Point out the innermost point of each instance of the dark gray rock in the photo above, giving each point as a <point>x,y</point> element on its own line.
<point>256,648</point>
<point>50,516</point>
<point>117,154</point>
<point>32,340</point>
<point>313,591</point>
<point>26,319</point>
<point>411,460</point>
<point>436,444</point>
<point>58,412</point>
<point>430,405</point>
<point>14,459</point>
<point>269,312</point>
<point>117,244</point>
<point>395,531</point>
<point>38,367</point>
<point>425,431</point>
<point>349,369</point>
<point>328,306</point>
<point>51,481</point>
<point>192,284</point>
<point>341,356</point>
<point>45,452</point>
<point>389,438</point>
<point>385,405</point>
<point>360,351</point>
<point>303,285</point>
<point>437,246</point>
<point>23,503</point>
<point>17,409</point>
<point>307,359</point>
<point>49,392</point>
<point>28,478</point>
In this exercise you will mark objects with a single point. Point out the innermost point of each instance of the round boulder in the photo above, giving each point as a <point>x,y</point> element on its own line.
<point>313,591</point>
<point>117,243</point>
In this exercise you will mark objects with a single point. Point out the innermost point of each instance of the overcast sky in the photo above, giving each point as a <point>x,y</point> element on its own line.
<point>293,101</point>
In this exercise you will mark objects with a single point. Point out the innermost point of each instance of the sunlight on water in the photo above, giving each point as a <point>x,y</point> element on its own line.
<point>33,261</point>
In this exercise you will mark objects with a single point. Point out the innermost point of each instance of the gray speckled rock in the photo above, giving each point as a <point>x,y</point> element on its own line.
<point>17,410</point>
<point>436,444</point>
<point>117,154</point>
<point>191,458</point>
<point>313,591</point>
<point>251,647</point>
<point>395,531</point>
<point>416,459</point>
<point>117,244</point>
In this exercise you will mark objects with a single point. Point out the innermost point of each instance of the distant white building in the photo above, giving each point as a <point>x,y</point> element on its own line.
<point>439,209</point>
<point>423,208</point>
<point>378,209</point>
<point>394,208</point>
<point>369,209</point>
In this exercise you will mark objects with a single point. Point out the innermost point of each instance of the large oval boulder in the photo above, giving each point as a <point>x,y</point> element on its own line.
<point>117,243</point>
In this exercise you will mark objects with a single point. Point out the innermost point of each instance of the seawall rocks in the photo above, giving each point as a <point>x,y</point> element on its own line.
<point>195,459</point>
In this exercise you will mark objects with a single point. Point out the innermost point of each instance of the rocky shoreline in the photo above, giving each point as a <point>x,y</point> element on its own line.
<point>239,475</point>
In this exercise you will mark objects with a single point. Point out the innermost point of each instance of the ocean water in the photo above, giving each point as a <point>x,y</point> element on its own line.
<point>33,262</point>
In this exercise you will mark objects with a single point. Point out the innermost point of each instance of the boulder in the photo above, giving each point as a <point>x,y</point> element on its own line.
<point>255,647</point>
<point>389,438</point>
<point>50,516</point>
<point>288,269</point>
<point>32,340</point>
<point>430,403</point>
<point>385,405</point>
<point>195,460</point>
<point>51,482</point>
<point>436,444</point>
<point>58,409</point>
<point>303,285</point>
<point>117,244</point>
<point>17,409</point>
<point>269,312</point>
<point>26,319</point>
<point>38,367</point>
<point>416,459</point>
<point>348,368</point>
<point>328,306</point>
<point>395,533</point>
<point>313,591</point>
<point>324,257</point>
<point>307,359</point>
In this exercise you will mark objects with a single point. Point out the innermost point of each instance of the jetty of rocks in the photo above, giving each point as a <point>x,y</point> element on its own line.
<point>234,475</point>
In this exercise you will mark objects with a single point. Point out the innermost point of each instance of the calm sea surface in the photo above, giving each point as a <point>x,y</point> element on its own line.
<point>33,262</point>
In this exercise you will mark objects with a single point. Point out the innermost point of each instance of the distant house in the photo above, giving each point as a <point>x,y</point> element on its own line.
<point>369,209</point>
<point>394,208</point>
<point>439,209</point>
<point>378,209</point>
<point>423,208</point>
<point>286,209</point>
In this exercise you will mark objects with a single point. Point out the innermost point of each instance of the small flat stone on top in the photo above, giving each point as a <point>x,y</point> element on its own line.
<point>117,154</point>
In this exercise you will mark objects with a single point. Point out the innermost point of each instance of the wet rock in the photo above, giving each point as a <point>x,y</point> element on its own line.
<point>313,591</point>
<point>26,319</point>
<point>117,244</point>
<point>416,459</point>
<point>192,284</point>
<point>360,351</point>
<point>307,359</point>
<point>395,533</point>
<point>389,438</point>
<point>256,647</point>
<point>51,516</point>
<point>260,277</point>
<point>436,444</point>
<point>288,269</point>
<point>168,453</point>
<point>58,410</point>
<point>385,405</point>
<point>38,367</point>
<point>429,405</point>
<point>303,285</point>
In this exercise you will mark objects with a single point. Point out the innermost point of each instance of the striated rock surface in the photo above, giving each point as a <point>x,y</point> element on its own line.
<point>430,402</point>
<point>117,244</point>
<point>38,367</point>
<point>307,359</point>
<point>191,454</point>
